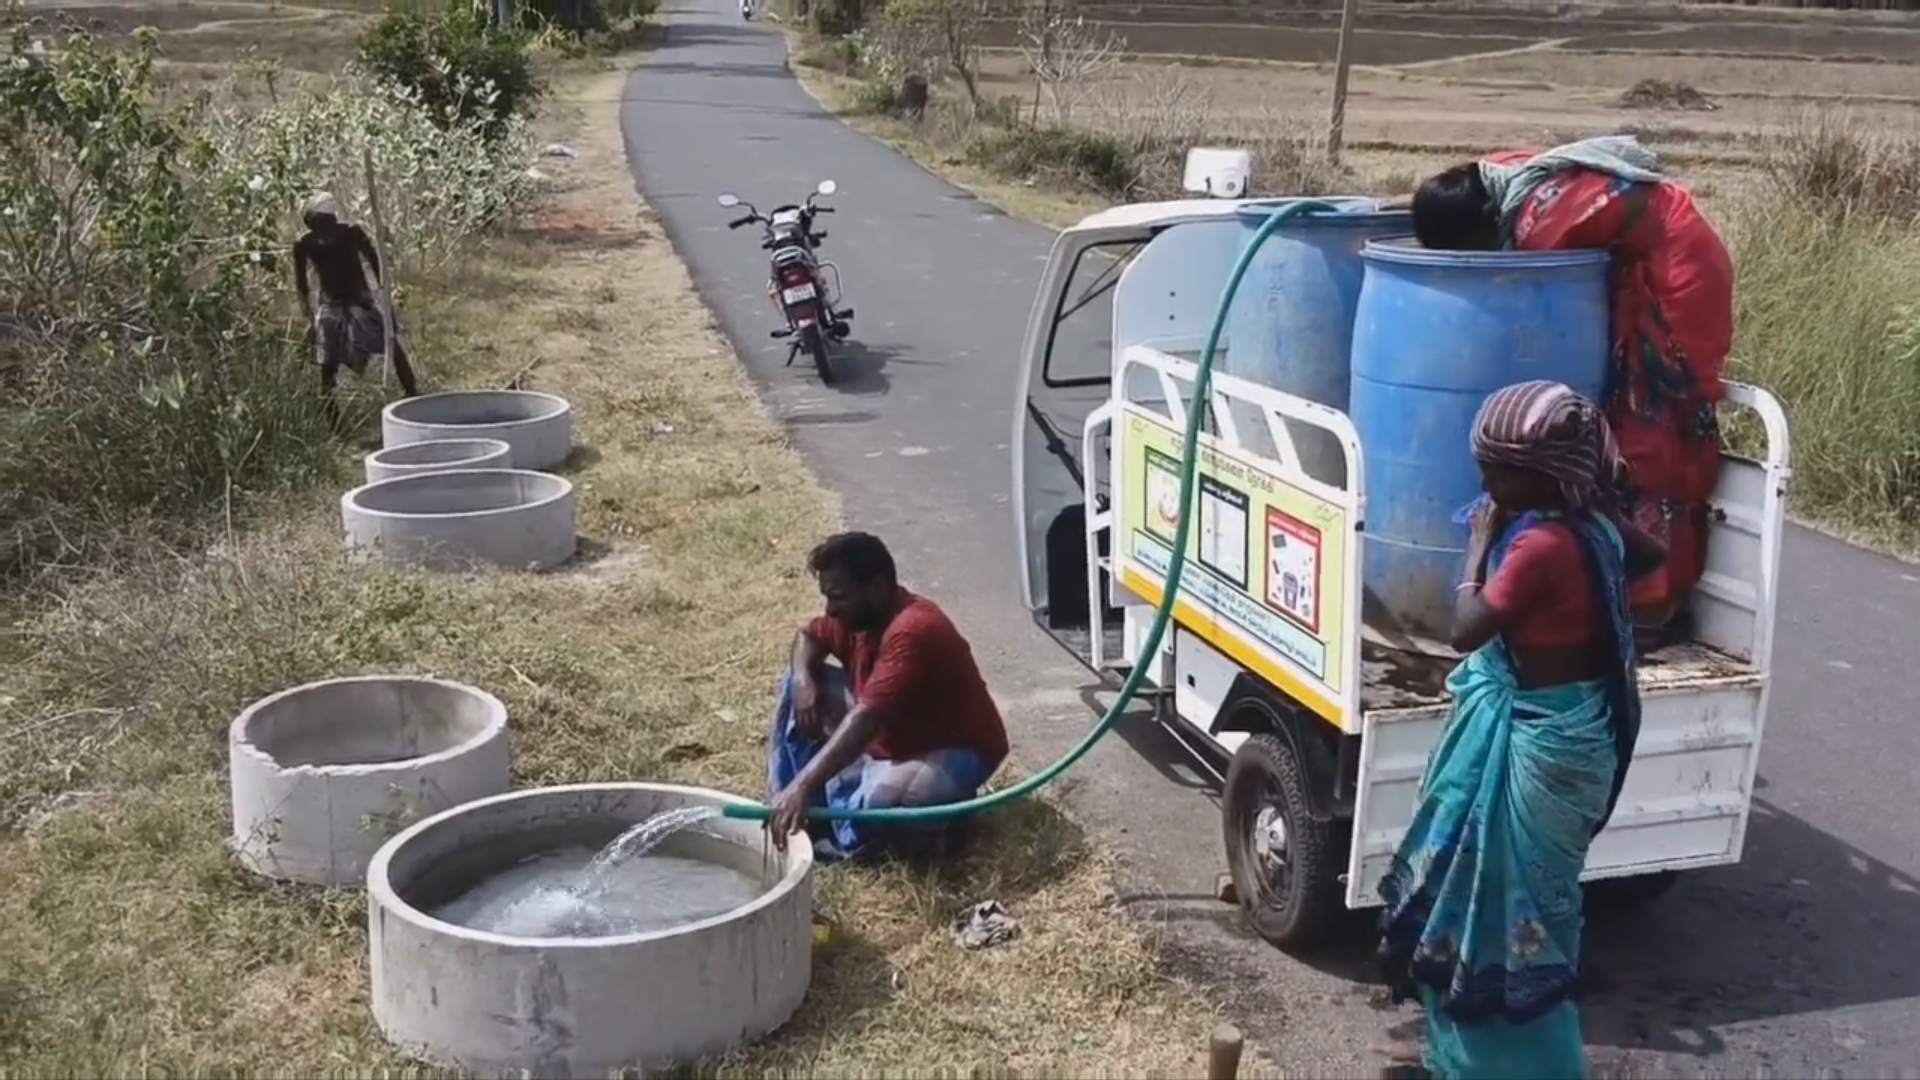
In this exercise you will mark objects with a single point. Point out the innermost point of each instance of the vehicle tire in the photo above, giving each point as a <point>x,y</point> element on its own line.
<point>817,345</point>
<point>1285,865</point>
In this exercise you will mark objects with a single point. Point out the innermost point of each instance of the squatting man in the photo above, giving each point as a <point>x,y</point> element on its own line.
<point>904,720</point>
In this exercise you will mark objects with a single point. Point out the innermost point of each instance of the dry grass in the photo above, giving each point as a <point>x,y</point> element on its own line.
<point>130,943</point>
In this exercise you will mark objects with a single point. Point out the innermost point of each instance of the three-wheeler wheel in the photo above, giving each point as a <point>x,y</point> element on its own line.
<point>1285,863</point>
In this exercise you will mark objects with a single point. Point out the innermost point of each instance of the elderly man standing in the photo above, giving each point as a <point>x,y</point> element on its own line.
<point>347,328</point>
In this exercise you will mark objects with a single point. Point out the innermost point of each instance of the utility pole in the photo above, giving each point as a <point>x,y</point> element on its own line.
<point>1342,67</point>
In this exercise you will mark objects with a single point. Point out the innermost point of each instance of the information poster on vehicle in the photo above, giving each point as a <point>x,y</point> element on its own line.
<point>1266,561</point>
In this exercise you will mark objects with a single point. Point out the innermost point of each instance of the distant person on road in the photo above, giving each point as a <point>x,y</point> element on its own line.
<point>1482,918</point>
<point>904,720</point>
<point>1672,322</point>
<point>346,328</point>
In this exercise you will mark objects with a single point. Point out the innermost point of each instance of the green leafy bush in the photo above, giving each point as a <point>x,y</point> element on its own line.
<point>460,69</point>
<point>151,374</point>
<point>834,18</point>
<point>875,99</point>
<point>1093,160</point>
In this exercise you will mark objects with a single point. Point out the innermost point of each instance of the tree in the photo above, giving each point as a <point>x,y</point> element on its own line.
<point>942,32</point>
<point>1065,52</point>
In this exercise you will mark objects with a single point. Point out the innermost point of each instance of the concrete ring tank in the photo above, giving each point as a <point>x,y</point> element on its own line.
<point>389,462</point>
<point>538,426</point>
<point>457,519</point>
<point>1434,333</point>
<point>1290,325</point>
<point>325,773</point>
<point>670,992</point>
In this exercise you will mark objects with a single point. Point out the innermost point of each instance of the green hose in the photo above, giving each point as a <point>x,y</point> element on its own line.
<point>1162,615</point>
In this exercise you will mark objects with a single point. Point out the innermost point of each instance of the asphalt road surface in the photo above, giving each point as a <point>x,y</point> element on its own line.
<point>1801,959</point>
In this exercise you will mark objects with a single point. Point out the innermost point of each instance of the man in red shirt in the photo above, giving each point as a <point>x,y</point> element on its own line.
<point>905,720</point>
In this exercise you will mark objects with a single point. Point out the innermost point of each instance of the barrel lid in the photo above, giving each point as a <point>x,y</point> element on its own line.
<point>1406,251</point>
<point>1346,210</point>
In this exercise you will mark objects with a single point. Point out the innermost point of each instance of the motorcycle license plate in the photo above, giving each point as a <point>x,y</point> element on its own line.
<point>797,294</point>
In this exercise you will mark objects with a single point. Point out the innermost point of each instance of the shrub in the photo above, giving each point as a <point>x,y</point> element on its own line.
<point>875,98</point>
<point>1833,168</point>
<point>1828,265</point>
<point>148,369</point>
<point>442,180</point>
<point>577,28</point>
<point>834,18</point>
<point>1093,160</point>
<point>461,70</point>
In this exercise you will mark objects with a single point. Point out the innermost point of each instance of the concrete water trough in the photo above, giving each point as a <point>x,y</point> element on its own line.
<point>539,427</point>
<point>450,990</point>
<point>407,458</point>
<point>325,773</point>
<point>459,519</point>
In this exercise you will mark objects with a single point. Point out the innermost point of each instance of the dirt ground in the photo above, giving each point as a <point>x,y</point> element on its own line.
<point>1431,87</point>
<point>132,944</point>
<point>1402,34</point>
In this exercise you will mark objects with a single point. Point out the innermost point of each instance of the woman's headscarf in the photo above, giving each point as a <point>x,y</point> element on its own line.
<point>1548,428</point>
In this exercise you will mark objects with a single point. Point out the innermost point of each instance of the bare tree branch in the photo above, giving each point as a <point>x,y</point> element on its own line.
<point>1066,54</point>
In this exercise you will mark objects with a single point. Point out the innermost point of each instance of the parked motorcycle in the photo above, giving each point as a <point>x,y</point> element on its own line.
<point>796,284</point>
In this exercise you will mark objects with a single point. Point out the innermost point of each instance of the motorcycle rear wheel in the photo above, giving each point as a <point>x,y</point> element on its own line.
<point>817,345</point>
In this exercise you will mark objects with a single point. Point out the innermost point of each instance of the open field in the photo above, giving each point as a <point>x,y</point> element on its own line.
<point>130,943</point>
<point>203,44</point>
<point>1796,131</point>
<point>1412,33</point>
<point>1434,86</point>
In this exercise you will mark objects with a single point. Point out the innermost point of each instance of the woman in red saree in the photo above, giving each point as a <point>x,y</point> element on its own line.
<point>1672,326</point>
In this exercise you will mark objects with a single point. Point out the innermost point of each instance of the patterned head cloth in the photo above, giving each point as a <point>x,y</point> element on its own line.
<point>321,202</point>
<point>1548,428</point>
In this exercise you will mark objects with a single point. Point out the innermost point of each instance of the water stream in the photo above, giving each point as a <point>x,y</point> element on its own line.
<point>621,888</point>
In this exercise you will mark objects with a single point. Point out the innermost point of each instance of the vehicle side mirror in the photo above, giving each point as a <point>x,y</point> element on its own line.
<point>826,187</point>
<point>729,199</point>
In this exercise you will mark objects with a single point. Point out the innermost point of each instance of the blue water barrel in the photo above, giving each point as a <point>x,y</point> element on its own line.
<point>1290,325</point>
<point>1434,333</point>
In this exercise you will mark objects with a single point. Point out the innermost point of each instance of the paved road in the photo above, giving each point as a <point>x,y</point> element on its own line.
<point>1800,959</point>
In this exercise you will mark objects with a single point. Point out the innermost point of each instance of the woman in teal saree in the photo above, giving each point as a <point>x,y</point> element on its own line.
<point>1483,900</point>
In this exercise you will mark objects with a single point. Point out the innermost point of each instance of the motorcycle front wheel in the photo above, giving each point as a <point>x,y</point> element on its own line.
<point>817,345</point>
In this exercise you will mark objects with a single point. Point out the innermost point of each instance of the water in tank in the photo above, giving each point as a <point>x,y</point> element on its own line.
<point>1434,333</point>
<point>1290,325</point>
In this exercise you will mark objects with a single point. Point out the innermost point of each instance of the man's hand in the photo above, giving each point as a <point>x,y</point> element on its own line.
<point>789,814</point>
<point>814,713</point>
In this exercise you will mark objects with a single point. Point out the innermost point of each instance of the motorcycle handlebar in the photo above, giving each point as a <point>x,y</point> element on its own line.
<point>748,220</point>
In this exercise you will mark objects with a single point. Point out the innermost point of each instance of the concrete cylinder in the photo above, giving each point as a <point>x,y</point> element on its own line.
<point>539,427</point>
<point>461,519</point>
<point>409,458</point>
<point>496,1005</point>
<point>323,774</point>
